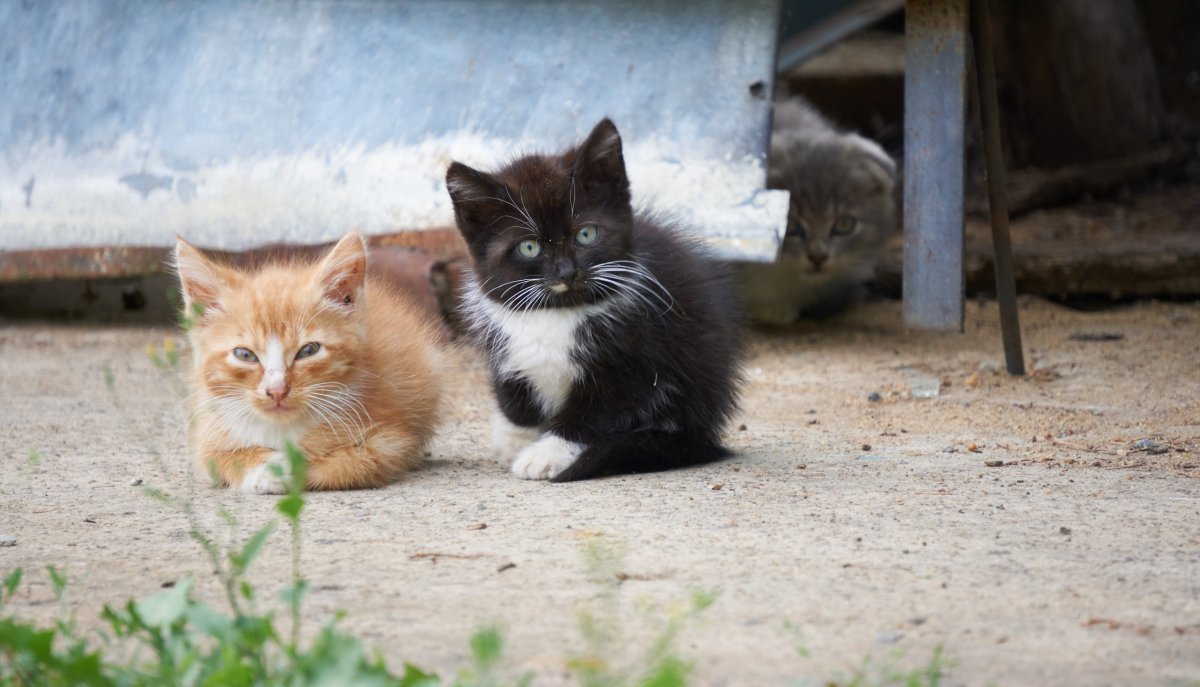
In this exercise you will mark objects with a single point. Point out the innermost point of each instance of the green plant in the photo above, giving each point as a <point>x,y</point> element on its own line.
<point>886,672</point>
<point>601,663</point>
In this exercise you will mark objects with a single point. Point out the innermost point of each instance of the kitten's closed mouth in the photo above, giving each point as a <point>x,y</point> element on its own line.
<point>560,287</point>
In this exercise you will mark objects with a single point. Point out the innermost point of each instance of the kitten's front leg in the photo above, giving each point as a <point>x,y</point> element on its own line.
<point>261,479</point>
<point>516,420</point>
<point>508,439</point>
<point>546,457</point>
<point>246,468</point>
<point>774,312</point>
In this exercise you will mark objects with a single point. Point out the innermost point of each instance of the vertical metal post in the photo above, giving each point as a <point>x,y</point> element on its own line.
<point>1006,286</point>
<point>934,160</point>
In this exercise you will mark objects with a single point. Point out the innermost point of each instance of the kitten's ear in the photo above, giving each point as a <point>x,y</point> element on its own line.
<point>342,274</point>
<point>600,162</point>
<point>471,191</point>
<point>876,167</point>
<point>200,279</point>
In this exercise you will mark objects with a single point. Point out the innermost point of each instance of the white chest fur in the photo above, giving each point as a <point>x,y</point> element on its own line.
<point>540,346</point>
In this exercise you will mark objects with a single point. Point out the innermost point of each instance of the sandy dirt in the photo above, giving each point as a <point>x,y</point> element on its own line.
<point>865,526</point>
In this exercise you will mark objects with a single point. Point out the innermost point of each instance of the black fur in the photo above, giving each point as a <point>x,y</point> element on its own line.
<point>662,373</point>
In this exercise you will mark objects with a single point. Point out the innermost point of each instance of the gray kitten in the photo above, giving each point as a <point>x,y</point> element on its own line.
<point>842,211</point>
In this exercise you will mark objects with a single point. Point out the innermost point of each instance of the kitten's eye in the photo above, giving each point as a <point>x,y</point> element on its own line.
<point>245,355</point>
<point>844,225</point>
<point>798,229</point>
<point>587,235</point>
<point>307,350</point>
<point>529,248</point>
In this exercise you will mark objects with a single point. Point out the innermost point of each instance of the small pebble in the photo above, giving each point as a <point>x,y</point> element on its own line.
<point>874,397</point>
<point>1064,530</point>
<point>7,540</point>
<point>135,482</point>
<point>741,428</point>
<point>866,447</point>
<point>994,463</point>
<point>949,449</point>
<point>885,638</point>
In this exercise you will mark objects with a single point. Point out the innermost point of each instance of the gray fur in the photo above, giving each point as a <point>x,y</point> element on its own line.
<point>830,175</point>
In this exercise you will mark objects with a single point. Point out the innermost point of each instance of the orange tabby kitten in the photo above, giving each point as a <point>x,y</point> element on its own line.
<point>316,354</point>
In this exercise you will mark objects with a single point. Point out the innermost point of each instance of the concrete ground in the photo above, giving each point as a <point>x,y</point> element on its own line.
<point>1045,530</point>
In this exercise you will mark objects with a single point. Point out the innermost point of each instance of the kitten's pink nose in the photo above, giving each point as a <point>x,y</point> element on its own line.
<point>278,391</point>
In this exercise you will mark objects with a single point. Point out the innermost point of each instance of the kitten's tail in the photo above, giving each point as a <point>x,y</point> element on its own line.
<point>643,451</point>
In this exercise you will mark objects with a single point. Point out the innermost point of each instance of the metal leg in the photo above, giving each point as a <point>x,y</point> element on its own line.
<point>934,120</point>
<point>1006,288</point>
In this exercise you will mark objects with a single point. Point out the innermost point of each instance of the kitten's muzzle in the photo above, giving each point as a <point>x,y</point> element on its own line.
<point>278,391</point>
<point>817,260</point>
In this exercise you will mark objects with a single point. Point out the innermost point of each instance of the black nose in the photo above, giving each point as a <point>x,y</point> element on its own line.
<point>817,260</point>
<point>566,271</point>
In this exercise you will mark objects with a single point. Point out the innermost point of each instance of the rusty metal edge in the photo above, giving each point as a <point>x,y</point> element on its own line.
<point>99,262</point>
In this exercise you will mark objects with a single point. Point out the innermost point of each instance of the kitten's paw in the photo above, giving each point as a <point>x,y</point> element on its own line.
<point>774,313</point>
<point>260,479</point>
<point>508,439</point>
<point>546,457</point>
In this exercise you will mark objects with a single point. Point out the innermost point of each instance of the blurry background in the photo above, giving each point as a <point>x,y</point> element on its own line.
<point>1100,103</point>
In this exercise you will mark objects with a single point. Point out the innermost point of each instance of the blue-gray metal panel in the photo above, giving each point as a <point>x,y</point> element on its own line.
<point>239,122</point>
<point>934,116</point>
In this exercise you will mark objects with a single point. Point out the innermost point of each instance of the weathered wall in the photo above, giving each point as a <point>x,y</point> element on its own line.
<point>240,122</point>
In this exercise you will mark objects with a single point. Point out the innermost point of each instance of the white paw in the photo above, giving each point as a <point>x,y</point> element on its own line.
<point>260,479</point>
<point>546,457</point>
<point>774,313</point>
<point>508,439</point>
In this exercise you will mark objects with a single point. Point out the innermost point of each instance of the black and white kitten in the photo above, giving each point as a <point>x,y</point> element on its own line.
<point>613,343</point>
<point>842,211</point>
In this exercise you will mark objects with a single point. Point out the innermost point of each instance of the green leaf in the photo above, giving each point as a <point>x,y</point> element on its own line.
<point>166,608</point>
<point>110,380</point>
<point>415,677</point>
<point>703,598</point>
<point>671,672</point>
<point>241,560</point>
<point>298,466</point>
<point>210,622</point>
<point>290,506</point>
<point>486,646</point>
<point>158,495</point>
<point>293,593</point>
<point>58,581</point>
<point>10,583</point>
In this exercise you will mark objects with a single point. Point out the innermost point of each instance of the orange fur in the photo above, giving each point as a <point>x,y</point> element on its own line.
<point>375,363</point>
